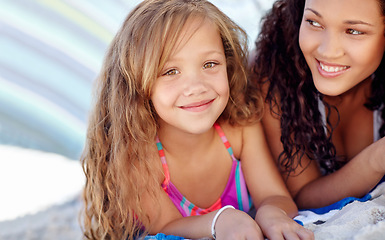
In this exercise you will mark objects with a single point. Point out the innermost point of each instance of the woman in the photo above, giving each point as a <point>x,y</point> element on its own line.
<point>320,64</point>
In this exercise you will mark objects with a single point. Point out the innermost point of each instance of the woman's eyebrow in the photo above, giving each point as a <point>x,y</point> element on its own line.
<point>349,22</point>
<point>314,11</point>
<point>355,22</point>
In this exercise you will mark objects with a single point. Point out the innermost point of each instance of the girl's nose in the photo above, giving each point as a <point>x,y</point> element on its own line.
<point>194,84</point>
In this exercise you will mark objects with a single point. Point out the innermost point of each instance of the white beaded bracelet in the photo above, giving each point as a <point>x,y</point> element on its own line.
<point>216,217</point>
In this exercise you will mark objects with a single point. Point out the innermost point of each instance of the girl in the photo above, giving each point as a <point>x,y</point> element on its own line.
<point>173,114</point>
<point>320,63</point>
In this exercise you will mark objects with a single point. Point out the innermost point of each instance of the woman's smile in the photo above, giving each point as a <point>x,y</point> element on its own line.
<point>329,70</point>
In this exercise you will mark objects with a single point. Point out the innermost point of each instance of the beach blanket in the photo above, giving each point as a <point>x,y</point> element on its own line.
<point>348,219</point>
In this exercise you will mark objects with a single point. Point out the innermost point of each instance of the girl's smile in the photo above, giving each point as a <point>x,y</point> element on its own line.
<point>198,106</point>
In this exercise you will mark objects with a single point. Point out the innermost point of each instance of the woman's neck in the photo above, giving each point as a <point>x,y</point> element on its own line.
<point>354,97</point>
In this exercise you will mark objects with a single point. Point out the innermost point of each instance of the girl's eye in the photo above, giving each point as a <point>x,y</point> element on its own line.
<point>209,65</point>
<point>171,72</point>
<point>313,23</point>
<point>354,32</point>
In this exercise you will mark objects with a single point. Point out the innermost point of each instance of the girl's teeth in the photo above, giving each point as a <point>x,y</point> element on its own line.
<point>332,69</point>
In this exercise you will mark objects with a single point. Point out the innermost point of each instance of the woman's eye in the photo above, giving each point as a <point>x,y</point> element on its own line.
<point>313,23</point>
<point>171,72</point>
<point>354,32</point>
<point>209,65</point>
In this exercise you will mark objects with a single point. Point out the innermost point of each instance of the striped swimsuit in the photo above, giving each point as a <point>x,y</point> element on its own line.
<point>235,192</point>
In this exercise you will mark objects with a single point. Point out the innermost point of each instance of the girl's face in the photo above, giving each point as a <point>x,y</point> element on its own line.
<point>192,89</point>
<point>342,41</point>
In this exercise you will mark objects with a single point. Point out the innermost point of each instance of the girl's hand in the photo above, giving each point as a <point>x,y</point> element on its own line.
<point>234,224</point>
<point>276,225</point>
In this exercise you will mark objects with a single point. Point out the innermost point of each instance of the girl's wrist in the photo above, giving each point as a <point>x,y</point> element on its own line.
<point>213,232</point>
<point>268,211</point>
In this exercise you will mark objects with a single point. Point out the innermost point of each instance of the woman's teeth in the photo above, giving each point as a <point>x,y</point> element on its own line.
<point>332,69</point>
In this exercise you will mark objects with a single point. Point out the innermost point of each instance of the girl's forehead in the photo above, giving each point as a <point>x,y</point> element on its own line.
<point>189,29</point>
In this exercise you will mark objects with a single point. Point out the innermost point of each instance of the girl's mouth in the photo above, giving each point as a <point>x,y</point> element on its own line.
<point>199,106</point>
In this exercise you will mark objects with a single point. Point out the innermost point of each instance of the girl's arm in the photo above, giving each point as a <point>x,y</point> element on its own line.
<point>231,224</point>
<point>275,207</point>
<point>311,190</point>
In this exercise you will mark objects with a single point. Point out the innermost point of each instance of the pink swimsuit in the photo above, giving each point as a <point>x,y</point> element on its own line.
<point>235,193</point>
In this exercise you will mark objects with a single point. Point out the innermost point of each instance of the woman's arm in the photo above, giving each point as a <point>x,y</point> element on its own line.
<point>355,179</point>
<point>311,190</point>
<point>275,207</point>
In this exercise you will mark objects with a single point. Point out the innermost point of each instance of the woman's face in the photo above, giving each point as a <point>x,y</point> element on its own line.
<point>342,41</point>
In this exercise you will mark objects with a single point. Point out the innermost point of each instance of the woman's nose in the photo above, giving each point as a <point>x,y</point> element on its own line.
<point>331,46</point>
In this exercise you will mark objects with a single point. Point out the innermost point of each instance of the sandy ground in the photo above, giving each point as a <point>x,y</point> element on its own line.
<point>58,222</point>
<point>39,195</point>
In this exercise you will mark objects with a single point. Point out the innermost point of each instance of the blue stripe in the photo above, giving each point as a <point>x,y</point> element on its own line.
<point>182,202</point>
<point>238,187</point>
<point>230,150</point>
<point>159,146</point>
<point>190,207</point>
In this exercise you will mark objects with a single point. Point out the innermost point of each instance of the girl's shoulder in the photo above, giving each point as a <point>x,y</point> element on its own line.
<point>231,130</point>
<point>233,134</point>
<point>237,135</point>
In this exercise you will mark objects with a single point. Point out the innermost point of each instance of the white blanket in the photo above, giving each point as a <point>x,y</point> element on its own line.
<point>349,219</point>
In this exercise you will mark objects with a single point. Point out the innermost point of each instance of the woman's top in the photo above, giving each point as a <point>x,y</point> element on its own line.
<point>377,121</point>
<point>235,193</point>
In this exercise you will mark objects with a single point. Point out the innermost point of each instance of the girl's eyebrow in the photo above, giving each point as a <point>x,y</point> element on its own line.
<point>349,22</point>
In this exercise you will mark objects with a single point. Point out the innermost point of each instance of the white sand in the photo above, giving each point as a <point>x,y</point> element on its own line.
<point>57,222</point>
<point>39,195</point>
<point>32,180</point>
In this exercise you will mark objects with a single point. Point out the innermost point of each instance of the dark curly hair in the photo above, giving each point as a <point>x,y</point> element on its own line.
<point>291,92</point>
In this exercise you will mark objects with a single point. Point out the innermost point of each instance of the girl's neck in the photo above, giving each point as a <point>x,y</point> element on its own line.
<point>184,145</point>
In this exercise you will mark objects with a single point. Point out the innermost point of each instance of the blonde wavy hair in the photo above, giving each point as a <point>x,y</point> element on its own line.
<point>123,124</point>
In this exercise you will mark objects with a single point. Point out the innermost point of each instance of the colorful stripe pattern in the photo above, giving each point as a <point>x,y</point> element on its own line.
<point>235,192</point>
<point>50,53</point>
